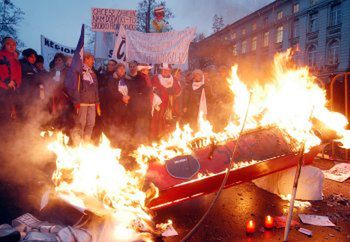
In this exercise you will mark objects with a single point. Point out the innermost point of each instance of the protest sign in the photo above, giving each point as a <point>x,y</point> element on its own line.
<point>109,20</point>
<point>49,48</point>
<point>154,48</point>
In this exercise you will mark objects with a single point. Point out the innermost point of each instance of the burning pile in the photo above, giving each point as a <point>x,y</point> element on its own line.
<point>92,177</point>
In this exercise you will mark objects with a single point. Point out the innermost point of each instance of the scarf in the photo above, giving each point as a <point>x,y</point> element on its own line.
<point>122,87</point>
<point>87,74</point>
<point>166,82</point>
<point>203,101</point>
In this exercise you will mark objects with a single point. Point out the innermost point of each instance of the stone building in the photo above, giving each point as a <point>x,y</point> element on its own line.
<point>319,31</point>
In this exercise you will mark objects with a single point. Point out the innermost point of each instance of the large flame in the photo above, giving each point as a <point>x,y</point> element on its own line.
<point>93,177</point>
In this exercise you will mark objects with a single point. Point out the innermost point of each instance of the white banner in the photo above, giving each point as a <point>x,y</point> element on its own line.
<point>154,48</point>
<point>109,20</point>
<point>119,47</point>
<point>49,48</point>
<point>104,44</point>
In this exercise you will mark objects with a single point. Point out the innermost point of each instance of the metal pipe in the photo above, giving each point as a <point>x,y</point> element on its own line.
<point>295,187</point>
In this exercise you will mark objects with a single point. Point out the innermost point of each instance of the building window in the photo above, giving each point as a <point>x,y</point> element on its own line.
<point>333,52</point>
<point>295,29</point>
<point>311,54</point>
<point>313,25</point>
<point>279,34</point>
<point>243,32</point>
<point>254,26</point>
<point>296,8</point>
<point>335,17</point>
<point>233,35</point>
<point>313,2</point>
<point>244,46</point>
<point>279,15</point>
<point>266,39</point>
<point>234,50</point>
<point>254,39</point>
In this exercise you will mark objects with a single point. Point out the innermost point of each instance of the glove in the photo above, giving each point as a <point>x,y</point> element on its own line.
<point>98,109</point>
<point>77,107</point>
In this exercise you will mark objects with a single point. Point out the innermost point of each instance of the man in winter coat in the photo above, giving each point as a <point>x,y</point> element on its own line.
<point>167,89</point>
<point>141,103</point>
<point>86,101</point>
<point>195,99</point>
<point>10,78</point>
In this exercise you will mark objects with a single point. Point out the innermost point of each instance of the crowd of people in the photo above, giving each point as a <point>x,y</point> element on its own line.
<point>130,102</point>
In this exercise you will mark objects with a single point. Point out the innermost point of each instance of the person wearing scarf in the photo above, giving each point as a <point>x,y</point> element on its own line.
<point>167,89</point>
<point>140,104</point>
<point>115,105</point>
<point>195,99</point>
<point>86,101</point>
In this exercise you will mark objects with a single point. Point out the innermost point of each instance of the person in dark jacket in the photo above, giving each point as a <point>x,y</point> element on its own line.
<point>141,97</point>
<point>115,105</point>
<point>86,101</point>
<point>195,99</point>
<point>10,78</point>
<point>108,75</point>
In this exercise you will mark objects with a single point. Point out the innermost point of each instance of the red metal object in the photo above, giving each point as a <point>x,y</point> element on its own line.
<point>280,157</point>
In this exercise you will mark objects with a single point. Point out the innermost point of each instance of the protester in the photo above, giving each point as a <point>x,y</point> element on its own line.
<point>106,77</point>
<point>59,103</point>
<point>10,78</point>
<point>141,105</point>
<point>159,25</point>
<point>86,101</point>
<point>39,64</point>
<point>167,89</point>
<point>68,61</point>
<point>132,70</point>
<point>195,98</point>
<point>115,106</point>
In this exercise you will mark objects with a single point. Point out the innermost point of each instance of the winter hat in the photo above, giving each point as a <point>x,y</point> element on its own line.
<point>165,66</point>
<point>159,9</point>
<point>28,52</point>
<point>5,39</point>
<point>39,59</point>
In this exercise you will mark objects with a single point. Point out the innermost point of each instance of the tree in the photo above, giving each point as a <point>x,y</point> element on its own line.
<point>145,14</point>
<point>10,17</point>
<point>218,23</point>
<point>199,37</point>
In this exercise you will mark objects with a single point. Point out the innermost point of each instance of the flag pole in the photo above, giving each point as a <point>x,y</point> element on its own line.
<point>295,187</point>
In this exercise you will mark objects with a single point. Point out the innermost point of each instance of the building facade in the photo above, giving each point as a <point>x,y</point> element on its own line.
<point>318,31</point>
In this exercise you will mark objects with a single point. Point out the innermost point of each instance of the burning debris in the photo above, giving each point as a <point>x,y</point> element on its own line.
<point>93,178</point>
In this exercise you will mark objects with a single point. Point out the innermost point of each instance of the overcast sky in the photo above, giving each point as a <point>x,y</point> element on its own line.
<point>60,20</point>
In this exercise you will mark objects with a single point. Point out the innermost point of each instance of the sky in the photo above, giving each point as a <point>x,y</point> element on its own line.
<point>60,20</point>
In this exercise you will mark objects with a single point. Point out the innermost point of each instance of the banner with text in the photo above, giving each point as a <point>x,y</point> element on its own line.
<point>154,48</point>
<point>109,20</point>
<point>49,48</point>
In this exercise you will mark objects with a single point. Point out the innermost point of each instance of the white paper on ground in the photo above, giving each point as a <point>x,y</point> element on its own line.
<point>315,220</point>
<point>305,231</point>
<point>170,231</point>
<point>340,172</point>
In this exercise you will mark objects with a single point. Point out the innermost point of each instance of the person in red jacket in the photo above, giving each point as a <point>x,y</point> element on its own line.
<point>10,77</point>
<point>167,89</point>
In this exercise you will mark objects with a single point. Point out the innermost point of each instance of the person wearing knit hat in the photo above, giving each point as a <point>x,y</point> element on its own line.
<point>158,24</point>
<point>168,90</point>
<point>10,79</point>
<point>195,99</point>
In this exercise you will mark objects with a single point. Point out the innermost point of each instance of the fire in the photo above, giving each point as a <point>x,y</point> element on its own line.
<point>91,177</point>
<point>292,101</point>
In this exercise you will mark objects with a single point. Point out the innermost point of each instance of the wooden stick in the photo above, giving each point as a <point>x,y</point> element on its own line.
<point>295,187</point>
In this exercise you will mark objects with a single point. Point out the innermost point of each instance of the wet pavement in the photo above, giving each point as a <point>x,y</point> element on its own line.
<point>226,221</point>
